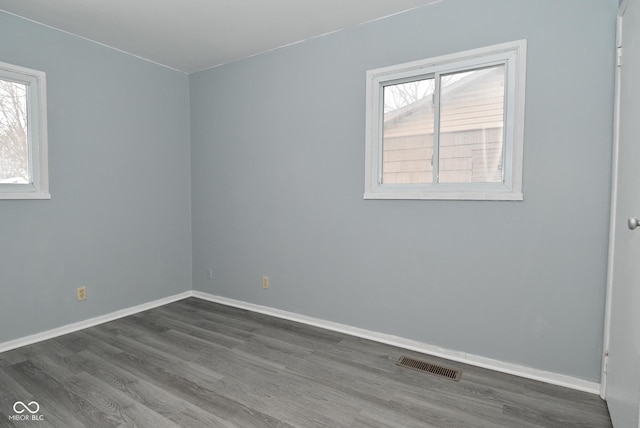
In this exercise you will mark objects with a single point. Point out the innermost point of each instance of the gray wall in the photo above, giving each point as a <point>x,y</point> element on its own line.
<point>119,218</point>
<point>277,183</point>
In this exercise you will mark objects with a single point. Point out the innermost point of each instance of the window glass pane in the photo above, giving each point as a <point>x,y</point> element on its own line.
<point>471,126</point>
<point>407,146</point>
<point>14,149</point>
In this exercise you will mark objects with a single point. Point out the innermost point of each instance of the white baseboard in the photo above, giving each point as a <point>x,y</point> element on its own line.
<point>81,325</point>
<point>463,357</point>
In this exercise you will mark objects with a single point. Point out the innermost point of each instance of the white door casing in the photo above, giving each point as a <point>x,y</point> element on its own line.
<point>621,365</point>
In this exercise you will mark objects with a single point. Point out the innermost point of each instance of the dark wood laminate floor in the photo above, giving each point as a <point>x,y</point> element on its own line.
<point>198,364</point>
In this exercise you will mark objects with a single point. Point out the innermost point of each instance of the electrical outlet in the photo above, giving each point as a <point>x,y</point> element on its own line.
<point>265,282</point>
<point>81,293</point>
<point>210,273</point>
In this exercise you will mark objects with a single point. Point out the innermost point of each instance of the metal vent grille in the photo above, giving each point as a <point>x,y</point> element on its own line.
<point>425,367</point>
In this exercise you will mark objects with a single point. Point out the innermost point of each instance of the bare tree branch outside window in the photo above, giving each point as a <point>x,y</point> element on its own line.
<point>14,150</point>
<point>404,94</point>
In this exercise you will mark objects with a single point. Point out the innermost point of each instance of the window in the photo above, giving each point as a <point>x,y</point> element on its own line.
<point>23,134</point>
<point>450,127</point>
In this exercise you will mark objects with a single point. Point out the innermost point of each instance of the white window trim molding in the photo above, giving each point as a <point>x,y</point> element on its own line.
<point>37,114</point>
<point>513,54</point>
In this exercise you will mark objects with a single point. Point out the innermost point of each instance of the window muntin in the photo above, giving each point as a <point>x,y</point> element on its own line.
<point>23,134</point>
<point>447,128</point>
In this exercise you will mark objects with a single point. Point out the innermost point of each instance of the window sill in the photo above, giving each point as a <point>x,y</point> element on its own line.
<point>447,196</point>
<point>17,195</point>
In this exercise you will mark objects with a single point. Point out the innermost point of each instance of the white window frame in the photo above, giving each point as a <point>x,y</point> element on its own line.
<point>38,187</point>
<point>513,56</point>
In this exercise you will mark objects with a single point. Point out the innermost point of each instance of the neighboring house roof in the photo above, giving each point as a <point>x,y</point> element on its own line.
<point>459,112</point>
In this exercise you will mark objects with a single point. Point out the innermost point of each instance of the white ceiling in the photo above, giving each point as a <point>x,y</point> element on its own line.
<point>192,35</point>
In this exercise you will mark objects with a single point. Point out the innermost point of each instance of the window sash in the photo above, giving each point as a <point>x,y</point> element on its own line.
<point>38,183</point>
<point>510,55</point>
